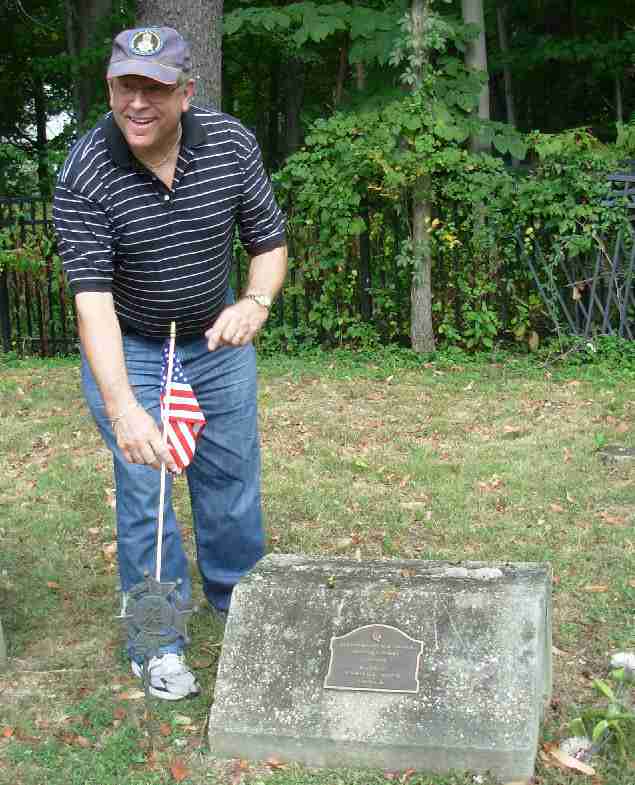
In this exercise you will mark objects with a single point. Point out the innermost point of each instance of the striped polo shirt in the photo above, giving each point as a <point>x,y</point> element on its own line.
<point>165,254</point>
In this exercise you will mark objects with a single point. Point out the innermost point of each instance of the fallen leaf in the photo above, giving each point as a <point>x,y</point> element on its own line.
<point>613,520</point>
<point>7,732</point>
<point>82,741</point>
<point>179,770</point>
<point>391,775</point>
<point>238,769</point>
<point>407,774</point>
<point>119,713</point>
<point>568,455</point>
<point>343,543</point>
<point>631,583</point>
<point>132,695</point>
<point>492,485</point>
<point>275,763</point>
<point>571,763</point>
<point>165,729</point>
<point>111,500</point>
<point>202,663</point>
<point>596,588</point>
<point>109,550</point>
<point>556,508</point>
<point>622,427</point>
<point>53,585</point>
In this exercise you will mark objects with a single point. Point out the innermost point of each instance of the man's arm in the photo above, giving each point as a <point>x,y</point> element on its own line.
<point>238,324</point>
<point>136,431</point>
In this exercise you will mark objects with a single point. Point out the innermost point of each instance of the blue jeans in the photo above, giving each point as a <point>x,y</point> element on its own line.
<point>223,478</point>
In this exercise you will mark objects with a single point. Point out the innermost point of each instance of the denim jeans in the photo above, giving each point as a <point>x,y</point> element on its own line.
<point>223,478</point>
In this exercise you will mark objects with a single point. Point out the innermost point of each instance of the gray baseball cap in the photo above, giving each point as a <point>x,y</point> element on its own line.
<point>160,53</point>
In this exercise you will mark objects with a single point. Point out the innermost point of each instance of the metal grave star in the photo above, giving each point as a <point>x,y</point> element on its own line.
<point>156,616</point>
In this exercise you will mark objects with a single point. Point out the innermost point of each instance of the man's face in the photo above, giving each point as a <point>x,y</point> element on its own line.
<point>148,112</point>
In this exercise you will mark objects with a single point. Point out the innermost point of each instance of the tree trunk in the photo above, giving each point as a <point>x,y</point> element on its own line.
<point>200,23</point>
<point>476,58</point>
<point>421,329</point>
<point>342,73</point>
<point>503,41</point>
<point>619,98</point>
<point>40,125</point>
<point>360,76</point>
<point>294,95</point>
<point>82,22</point>
<point>273,132</point>
<point>501,16</point>
<point>71,49</point>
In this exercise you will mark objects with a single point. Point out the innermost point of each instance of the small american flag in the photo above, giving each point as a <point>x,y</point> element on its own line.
<point>185,418</point>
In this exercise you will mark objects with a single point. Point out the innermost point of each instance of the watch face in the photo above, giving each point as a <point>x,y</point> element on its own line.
<point>261,299</point>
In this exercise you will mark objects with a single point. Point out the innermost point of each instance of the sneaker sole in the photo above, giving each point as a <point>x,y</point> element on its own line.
<point>170,696</point>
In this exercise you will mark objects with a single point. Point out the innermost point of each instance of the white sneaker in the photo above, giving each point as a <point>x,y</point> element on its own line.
<point>170,678</point>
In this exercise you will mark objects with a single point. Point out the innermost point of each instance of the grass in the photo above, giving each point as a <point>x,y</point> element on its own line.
<point>381,455</point>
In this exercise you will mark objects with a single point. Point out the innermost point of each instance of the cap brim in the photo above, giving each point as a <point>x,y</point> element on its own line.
<point>151,69</point>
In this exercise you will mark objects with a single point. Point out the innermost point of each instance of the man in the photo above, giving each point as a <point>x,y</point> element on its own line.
<point>145,211</point>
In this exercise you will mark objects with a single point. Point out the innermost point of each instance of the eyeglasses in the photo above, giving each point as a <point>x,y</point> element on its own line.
<point>153,92</point>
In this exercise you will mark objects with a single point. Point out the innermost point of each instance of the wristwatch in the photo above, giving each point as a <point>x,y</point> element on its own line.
<point>260,299</point>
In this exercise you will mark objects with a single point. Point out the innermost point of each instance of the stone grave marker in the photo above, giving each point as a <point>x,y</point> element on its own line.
<point>389,664</point>
<point>3,649</point>
<point>617,453</point>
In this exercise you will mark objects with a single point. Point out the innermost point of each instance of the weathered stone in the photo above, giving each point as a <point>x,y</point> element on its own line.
<point>484,674</point>
<point>617,454</point>
<point>3,649</point>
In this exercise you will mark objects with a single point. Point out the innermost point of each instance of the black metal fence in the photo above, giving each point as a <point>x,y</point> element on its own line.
<point>36,308</point>
<point>593,295</point>
<point>582,296</point>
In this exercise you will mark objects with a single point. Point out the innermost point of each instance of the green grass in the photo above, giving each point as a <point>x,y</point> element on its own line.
<point>382,454</point>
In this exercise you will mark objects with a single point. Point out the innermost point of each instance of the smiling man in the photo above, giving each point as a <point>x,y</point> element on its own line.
<point>146,208</point>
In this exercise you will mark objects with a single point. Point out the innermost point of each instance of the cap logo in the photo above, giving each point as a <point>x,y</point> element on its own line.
<point>146,42</point>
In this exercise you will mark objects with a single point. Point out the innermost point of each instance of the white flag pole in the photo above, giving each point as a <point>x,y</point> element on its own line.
<point>165,417</point>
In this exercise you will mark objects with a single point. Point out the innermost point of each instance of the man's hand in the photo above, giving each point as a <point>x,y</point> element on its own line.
<point>237,325</point>
<point>140,440</point>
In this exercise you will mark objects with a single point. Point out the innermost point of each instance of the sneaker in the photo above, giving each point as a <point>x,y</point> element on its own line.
<point>170,678</point>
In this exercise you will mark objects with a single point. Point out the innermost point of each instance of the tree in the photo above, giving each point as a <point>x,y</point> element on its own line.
<point>200,23</point>
<point>476,59</point>
<point>421,330</point>
<point>89,25</point>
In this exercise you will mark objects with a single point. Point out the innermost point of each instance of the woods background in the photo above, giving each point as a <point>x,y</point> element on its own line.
<point>446,166</point>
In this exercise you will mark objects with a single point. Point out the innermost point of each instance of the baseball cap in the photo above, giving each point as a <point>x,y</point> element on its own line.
<point>160,53</point>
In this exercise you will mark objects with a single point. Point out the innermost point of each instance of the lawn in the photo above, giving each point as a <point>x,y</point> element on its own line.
<point>384,455</point>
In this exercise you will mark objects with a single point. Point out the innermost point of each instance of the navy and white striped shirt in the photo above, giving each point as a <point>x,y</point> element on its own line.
<point>165,254</point>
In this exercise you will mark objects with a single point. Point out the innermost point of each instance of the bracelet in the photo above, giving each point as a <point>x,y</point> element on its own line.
<point>123,413</point>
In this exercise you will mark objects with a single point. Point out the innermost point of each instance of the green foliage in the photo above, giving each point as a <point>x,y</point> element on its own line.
<point>371,30</point>
<point>369,162</point>
<point>36,280</point>
<point>611,725</point>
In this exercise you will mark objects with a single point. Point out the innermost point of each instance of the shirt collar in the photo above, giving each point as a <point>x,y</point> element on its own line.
<point>193,135</point>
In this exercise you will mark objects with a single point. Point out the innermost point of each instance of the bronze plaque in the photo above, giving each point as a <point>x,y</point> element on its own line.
<point>375,658</point>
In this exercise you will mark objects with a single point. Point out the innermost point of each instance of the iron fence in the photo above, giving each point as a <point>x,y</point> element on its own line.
<point>581,296</point>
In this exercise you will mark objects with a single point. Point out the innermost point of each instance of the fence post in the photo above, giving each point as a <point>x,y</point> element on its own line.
<point>5,319</point>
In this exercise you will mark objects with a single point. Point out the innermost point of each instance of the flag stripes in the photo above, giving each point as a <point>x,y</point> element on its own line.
<point>185,420</point>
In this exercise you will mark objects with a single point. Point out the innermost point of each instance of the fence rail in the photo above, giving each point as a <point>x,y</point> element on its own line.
<point>583,297</point>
